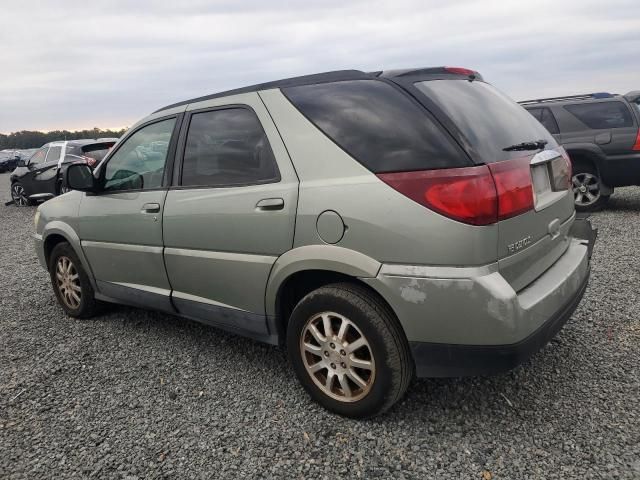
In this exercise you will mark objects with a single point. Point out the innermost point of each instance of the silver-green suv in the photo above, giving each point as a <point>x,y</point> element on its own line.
<point>381,225</point>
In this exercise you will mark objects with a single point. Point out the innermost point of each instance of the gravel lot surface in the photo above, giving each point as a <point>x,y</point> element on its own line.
<point>136,394</point>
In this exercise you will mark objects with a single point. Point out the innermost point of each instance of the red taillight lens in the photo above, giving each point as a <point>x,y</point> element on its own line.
<point>637,144</point>
<point>513,184</point>
<point>464,194</point>
<point>459,71</point>
<point>479,195</point>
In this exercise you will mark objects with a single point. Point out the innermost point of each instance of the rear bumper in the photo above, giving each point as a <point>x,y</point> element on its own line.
<point>470,321</point>
<point>442,360</point>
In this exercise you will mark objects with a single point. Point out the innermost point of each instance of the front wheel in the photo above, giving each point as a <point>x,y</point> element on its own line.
<point>19,195</point>
<point>587,190</point>
<point>349,351</point>
<point>71,283</point>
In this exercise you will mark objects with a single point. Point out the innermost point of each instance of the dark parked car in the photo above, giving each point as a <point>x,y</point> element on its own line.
<point>600,132</point>
<point>9,163</point>
<point>40,178</point>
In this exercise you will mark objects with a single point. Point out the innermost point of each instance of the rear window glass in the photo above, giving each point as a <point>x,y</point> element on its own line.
<point>602,114</point>
<point>488,119</point>
<point>377,125</point>
<point>227,147</point>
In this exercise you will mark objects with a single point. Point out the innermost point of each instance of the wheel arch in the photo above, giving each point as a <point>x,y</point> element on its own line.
<point>304,269</point>
<point>56,232</point>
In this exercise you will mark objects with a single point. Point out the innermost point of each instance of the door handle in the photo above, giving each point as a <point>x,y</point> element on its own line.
<point>270,204</point>
<point>150,208</point>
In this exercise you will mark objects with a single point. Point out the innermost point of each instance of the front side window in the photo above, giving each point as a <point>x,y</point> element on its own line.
<point>227,147</point>
<point>602,115</point>
<point>139,162</point>
<point>39,156</point>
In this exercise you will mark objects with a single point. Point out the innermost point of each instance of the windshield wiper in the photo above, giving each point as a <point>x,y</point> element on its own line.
<point>535,145</point>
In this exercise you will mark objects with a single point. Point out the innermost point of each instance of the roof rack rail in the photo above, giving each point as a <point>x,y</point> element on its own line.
<point>586,96</point>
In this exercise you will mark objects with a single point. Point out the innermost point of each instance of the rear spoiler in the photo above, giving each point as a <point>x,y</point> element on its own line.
<point>633,96</point>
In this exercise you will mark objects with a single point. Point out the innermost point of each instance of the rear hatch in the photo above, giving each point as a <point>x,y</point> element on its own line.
<point>530,170</point>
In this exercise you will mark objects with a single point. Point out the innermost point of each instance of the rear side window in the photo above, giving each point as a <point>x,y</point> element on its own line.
<point>488,119</point>
<point>602,114</point>
<point>227,147</point>
<point>546,118</point>
<point>377,125</point>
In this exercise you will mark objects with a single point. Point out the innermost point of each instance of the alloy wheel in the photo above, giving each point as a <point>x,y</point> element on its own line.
<point>586,189</point>
<point>337,356</point>
<point>68,282</point>
<point>19,196</point>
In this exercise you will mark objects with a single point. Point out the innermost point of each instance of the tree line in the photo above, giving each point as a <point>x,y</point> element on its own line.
<point>34,139</point>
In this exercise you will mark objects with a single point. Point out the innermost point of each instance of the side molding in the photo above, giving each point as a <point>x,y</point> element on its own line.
<point>317,257</point>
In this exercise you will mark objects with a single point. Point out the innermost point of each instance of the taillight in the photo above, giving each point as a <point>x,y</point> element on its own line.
<point>514,187</point>
<point>479,195</point>
<point>637,144</point>
<point>460,71</point>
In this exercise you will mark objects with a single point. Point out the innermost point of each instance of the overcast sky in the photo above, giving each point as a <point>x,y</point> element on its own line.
<point>79,64</point>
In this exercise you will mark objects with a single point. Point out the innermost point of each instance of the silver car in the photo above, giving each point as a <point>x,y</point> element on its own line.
<point>380,225</point>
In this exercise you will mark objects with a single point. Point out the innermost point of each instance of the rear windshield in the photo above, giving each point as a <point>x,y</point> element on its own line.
<point>488,119</point>
<point>377,125</point>
<point>602,115</point>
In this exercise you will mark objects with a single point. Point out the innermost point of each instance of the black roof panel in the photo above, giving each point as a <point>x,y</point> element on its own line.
<point>287,82</point>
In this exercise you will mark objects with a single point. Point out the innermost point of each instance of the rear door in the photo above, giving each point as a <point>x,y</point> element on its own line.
<point>230,214</point>
<point>121,227</point>
<point>494,126</point>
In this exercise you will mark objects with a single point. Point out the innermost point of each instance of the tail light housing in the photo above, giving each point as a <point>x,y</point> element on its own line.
<point>480,195</point>
<point>636,146</point>
<point>89,161</point>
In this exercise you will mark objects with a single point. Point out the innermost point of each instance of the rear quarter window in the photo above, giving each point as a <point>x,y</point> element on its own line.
<point>602,115</point>
<point>377,125</point>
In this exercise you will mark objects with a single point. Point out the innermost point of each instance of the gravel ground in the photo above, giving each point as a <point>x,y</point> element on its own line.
<point>135,394</point>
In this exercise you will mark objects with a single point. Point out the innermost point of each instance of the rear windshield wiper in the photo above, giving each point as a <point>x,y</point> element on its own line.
<point>535,145</point>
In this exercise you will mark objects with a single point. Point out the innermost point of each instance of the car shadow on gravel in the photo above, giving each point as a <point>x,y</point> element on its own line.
<point>526,389</point>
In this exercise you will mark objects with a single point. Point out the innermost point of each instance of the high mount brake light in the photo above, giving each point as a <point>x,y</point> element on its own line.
<point>460,71</point>
<point>480,195</point>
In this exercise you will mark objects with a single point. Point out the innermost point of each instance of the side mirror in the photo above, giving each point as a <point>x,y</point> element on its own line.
<point>22,162</point>
<point>80,177</point>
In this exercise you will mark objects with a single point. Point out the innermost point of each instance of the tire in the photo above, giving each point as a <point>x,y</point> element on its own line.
<point>19,195</point>
<point>61,188</point>
<point>587,188</point>
<point>83,304</point>
<point>385,352</point>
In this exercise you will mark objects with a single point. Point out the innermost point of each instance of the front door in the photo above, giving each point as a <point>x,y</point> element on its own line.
<point>121,226</point>
<point>230,215</point>
<point>44,176</point>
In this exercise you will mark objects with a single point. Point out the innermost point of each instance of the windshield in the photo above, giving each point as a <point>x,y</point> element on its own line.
<point>488,119</point>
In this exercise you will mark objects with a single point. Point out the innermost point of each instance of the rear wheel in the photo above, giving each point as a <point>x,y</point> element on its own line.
<point>348,350</point>
<point>71,283</point>
<point>587,189</point>
<point>19,195</point>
